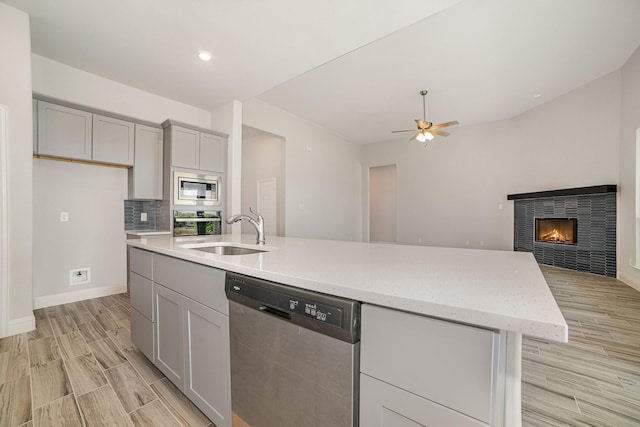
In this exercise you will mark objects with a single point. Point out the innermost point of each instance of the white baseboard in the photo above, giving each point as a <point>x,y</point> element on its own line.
<point>23,324</point>
<point>631,281</point>
<point>79,295</point>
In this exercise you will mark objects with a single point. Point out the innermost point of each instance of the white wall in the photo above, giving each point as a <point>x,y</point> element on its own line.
<point>262,158</point>
<point>627,200</point>
<point>93,195</point>
<point>61,81</point>
<point>323,175</point>
<point>451,192</point>
<point>15,93</point>
<point>94,238</point>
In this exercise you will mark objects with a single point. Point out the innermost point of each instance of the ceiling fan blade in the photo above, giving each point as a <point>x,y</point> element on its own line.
<point>438,132</point>
<point>444,125</point>
<point>407,130</point>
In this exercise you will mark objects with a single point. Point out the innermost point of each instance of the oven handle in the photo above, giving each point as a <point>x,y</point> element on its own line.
<point>197,219</point>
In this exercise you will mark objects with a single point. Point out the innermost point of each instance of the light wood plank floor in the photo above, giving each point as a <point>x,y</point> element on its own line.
<point>79,368</point>
<point>594,380</point>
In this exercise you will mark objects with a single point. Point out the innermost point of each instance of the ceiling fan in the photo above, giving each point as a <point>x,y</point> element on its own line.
<point>427,130</point>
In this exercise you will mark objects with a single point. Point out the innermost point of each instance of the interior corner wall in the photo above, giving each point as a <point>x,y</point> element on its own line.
<point>323,175</point>
<point>92,195</point>
<point>454,191</point>
<point>15,93</point>
<point>628,205</point>
<point>228,119</point>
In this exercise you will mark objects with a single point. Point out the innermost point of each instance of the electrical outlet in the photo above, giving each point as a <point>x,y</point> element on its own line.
<point>79,276</point>
<point>143,216</point>
<point>64,216</point>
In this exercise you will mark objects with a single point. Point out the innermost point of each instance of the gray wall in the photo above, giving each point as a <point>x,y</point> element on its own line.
<point>15,93</point>
<point>455,190</point>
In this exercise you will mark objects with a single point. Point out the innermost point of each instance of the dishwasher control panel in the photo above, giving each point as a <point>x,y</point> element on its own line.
<point>285,301</point>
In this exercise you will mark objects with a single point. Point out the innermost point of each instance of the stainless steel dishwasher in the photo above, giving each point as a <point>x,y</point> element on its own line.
<point>295,355</point>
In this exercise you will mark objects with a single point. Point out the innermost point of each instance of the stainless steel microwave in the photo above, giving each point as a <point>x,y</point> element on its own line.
<point>191,189</point>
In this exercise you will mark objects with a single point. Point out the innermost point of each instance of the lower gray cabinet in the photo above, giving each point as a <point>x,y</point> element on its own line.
<point>207,364</point>
<point>169,344</point>
<point>189,340</point>
<point>384,405</point>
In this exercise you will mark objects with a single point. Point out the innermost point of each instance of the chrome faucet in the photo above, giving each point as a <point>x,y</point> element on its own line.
<point>258,224</point>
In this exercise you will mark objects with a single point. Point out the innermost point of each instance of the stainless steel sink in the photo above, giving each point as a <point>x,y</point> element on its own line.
<point>228,250</point>
<point>225,248</point>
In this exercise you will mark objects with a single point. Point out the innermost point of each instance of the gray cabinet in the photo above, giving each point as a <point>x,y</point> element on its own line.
<point>211,152</point>
<point>194,149</point>
<point>180,312</point>
<point>64,132</point>
<point>169,357</point>
<point>113,140</point>
<point>141,298</point>
<point>75,134</point>
<point>383,405</point>
<point>207,373</point>
<point>421,365</point>
<point>145,177</point>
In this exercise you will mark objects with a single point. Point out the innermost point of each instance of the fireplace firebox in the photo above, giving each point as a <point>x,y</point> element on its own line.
<point>557,230</point>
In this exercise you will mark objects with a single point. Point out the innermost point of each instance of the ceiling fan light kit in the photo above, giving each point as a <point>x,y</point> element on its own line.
<point>427,130</point>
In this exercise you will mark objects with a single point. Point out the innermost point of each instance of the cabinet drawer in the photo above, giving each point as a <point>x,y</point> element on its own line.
<point>444,362</point>
<point>198,282</point>
<point>383,405</point>
<point>141,295</point>
<point>141,262</point>
<point>142,334</point>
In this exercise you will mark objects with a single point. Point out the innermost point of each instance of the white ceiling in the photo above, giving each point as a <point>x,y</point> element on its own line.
<point>354,67</point>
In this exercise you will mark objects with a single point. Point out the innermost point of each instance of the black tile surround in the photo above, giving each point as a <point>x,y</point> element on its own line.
<point>595,251</point>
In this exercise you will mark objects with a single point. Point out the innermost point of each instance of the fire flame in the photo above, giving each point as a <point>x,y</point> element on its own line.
<point>554,236</point>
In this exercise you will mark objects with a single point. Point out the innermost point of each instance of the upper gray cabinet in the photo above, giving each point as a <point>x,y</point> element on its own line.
<point>75,134</point>
<point>194,149</point>
<point>64,132</point>
<point>113,140</point>
<point>145,177</point>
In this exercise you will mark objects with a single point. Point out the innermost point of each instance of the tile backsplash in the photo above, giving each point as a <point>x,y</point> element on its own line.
<point>133,210</point>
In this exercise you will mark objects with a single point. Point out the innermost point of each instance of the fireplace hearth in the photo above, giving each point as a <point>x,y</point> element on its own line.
<point>562,231</point>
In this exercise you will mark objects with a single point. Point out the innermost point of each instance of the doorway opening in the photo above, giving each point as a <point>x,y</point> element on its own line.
<point>263,177</point>
<point>382,204</point>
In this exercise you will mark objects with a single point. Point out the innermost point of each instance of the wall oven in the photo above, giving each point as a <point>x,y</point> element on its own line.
<point>191,189</point>
<point>196,223</point>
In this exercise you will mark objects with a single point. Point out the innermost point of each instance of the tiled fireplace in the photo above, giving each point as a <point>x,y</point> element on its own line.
<point>573,228</point>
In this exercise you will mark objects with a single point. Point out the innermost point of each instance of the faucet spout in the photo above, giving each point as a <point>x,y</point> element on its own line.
<point>257,223</point>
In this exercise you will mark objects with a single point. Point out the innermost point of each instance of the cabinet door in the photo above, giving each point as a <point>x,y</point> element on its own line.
<point>185,148</point>
<point>211,153</point>
<point>207,366</point>
<point>169,345</point>
<point>145,177</point>
<point>64,132</point>
<point>142,334</point>
<point>383,405</point>
<point>113,140</point>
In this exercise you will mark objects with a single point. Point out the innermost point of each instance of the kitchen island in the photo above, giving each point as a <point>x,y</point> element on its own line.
<point>503,293</point>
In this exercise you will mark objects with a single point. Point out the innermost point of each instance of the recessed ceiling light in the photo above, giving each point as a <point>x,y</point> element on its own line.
<point>204,55</point>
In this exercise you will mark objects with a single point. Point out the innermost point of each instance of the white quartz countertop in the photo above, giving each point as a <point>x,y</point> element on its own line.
<point>493,289</point>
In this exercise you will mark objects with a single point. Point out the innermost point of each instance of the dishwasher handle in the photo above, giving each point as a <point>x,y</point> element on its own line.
<point>275,312</point>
